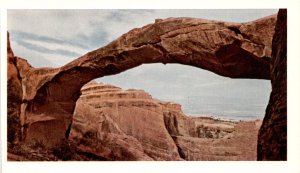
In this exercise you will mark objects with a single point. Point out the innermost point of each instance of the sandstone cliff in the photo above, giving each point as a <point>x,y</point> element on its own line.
<point>41,99</point>
<point>115,124</point>
<point>122,122</point>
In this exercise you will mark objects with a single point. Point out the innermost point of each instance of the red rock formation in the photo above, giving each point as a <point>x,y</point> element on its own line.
<point>15,97</point>
<point>272,143</point>
<point>114,124</point>
<point>220,141</point>
<point>118,122</point>
<point>46,97</point>
<point>236,50</point>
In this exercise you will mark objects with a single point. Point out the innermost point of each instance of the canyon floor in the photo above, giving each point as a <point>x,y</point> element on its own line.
<point>113,124</point>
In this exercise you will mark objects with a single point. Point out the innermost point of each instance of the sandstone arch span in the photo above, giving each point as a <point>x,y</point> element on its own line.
<point>47,96</point>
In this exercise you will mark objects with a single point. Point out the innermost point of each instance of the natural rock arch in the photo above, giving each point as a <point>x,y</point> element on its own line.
<point>48,95</point>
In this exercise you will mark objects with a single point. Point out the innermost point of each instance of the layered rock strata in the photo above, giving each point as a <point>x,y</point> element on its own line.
<point>115,124</point>
<point>237,50</point>
<point>121,125</point>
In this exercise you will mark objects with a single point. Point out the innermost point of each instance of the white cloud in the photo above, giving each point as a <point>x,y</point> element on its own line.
<point>61,24</point>
<point>38,59</point>
<point>56,46</point>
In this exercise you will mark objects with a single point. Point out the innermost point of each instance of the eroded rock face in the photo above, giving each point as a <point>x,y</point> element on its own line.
<point>236,50</point>
<point>220,141</point>
<point>205,138</point>
<point>272,143</point>
<point>115,124</point>
<point>14,94</point>
<point>121,125</point>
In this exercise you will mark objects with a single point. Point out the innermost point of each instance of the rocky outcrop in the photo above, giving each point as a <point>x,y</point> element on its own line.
<point>14,94</point>
<point>272,143</point>
<point>114,124</point>
<point>220,141</point>
<point>206,138</point>
<point>236,50</point>
<point>121,125</point>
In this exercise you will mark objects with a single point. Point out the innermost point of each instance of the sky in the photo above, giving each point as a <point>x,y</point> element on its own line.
<point>52,38</point>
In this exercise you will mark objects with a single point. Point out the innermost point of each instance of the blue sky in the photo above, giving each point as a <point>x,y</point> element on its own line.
<point>56,37</point>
